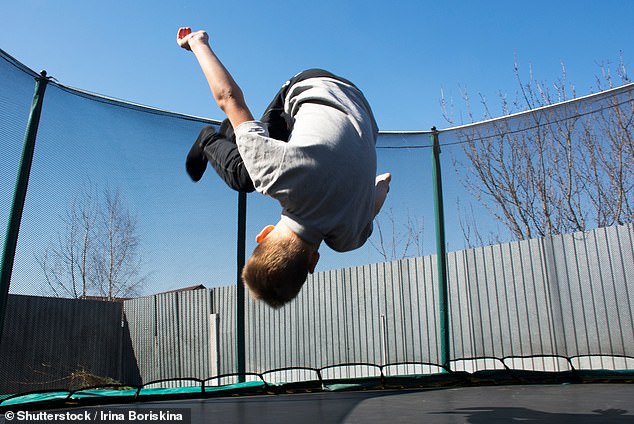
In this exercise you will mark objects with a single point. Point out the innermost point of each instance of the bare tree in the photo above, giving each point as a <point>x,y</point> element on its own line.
<point>473,235</point>
<point>612,161</point>
<point>554,170</point>
<point>66,262</point>
<point>397,240</point>
<point>117,263</point>
<point>97,252</point>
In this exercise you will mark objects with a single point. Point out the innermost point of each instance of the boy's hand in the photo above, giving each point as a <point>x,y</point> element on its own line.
<point>185,37</point>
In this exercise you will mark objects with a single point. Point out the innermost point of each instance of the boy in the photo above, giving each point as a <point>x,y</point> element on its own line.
<point>313,151</point>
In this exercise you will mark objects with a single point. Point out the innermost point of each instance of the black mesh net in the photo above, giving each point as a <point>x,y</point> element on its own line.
<point>125,270</point>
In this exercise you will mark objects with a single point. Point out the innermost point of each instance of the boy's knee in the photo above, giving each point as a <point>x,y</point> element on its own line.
<point>226,130</point>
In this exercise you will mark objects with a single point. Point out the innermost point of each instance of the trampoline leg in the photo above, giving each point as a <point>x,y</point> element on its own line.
<point>19,196</point>
<point>441,253</point>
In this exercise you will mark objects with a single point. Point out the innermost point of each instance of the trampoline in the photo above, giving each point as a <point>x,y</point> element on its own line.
<point>543,404</point>
<point>536,330</point>
<point>557,404</point>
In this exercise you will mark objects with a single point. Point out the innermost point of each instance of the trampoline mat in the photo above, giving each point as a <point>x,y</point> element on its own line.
<point>561,404</point>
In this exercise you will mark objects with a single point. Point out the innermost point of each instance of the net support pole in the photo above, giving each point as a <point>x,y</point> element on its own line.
<point>441,253</point>
<point>19,195</point>
<point>240,314</point>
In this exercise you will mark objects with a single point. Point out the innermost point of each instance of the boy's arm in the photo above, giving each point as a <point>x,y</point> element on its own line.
<point>226,92</point>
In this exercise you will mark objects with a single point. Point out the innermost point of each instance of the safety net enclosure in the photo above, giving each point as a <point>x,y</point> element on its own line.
<point>122,283</point>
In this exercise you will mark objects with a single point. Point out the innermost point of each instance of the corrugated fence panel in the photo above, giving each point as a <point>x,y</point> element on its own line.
<point>370,328</point>
<point>258,336</point>
<point>563,295</point>
<point>167,353</point>
<point>596,298</point>
<point>194,314</point>
<point>428,308</point>
<point>622,241</point>
<point>141,317</point>
<point>171,335</point>
<point>316,288</point>
<point>224,304</point>
<point>386,293</point>
<point>71,343</point>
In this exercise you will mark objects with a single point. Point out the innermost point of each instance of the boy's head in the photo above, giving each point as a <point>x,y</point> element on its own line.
<point>279,265</point>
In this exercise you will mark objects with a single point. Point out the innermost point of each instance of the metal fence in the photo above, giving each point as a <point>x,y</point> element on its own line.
<point>543,304</point>
<point>528,304</point>
<point>566,295</point>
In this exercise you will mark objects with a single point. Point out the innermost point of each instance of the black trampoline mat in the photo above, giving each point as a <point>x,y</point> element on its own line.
<point>560,404</point>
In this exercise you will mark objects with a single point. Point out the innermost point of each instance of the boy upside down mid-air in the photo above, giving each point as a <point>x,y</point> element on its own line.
<point>314,151</point>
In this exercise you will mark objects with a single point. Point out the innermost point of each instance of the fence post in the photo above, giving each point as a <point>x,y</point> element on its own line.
<point>240,319</point>
<point>19,195</point>
<point>441,252</point>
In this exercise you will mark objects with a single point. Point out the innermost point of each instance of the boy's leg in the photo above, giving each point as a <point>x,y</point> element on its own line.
<point>220,149</point>
<point>196,162</point>
<point>224,157</point>
<point>280,124</point>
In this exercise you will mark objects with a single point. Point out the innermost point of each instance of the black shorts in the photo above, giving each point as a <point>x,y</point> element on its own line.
<point>220,148</point>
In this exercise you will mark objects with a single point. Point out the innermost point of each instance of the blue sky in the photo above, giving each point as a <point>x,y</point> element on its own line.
<point>401,54</point>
